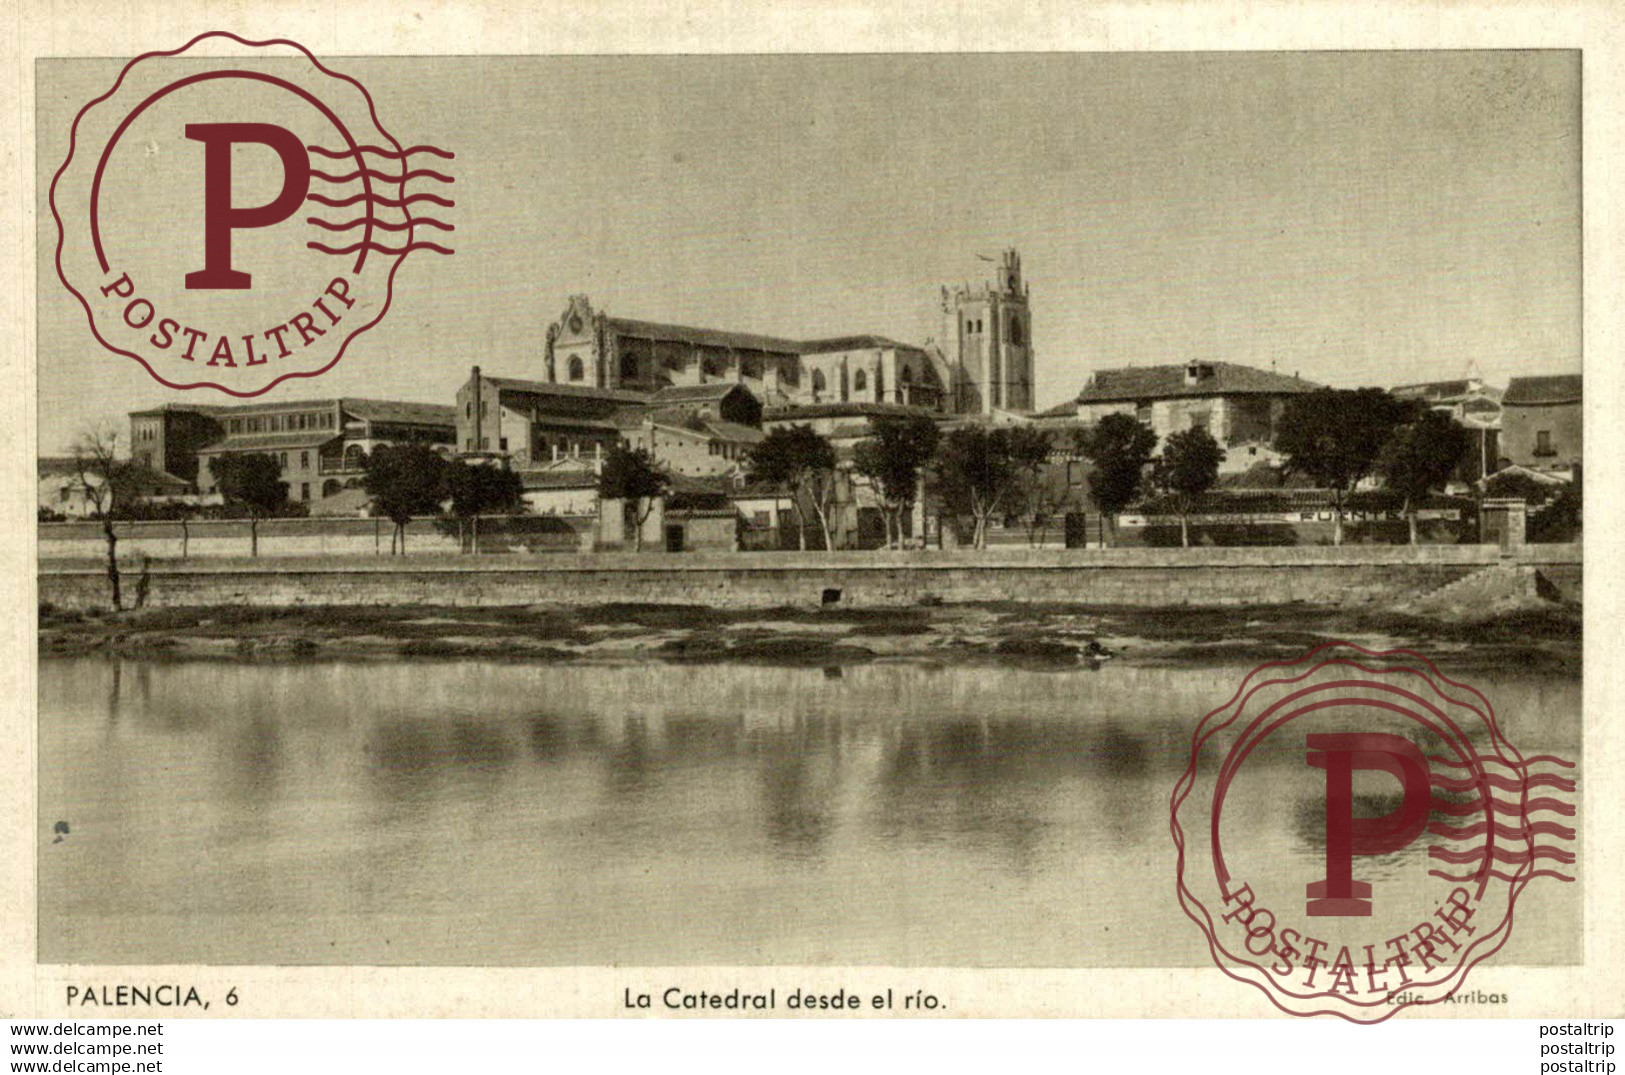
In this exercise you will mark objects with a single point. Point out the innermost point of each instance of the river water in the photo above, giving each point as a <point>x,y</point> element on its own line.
<point>482,813</point>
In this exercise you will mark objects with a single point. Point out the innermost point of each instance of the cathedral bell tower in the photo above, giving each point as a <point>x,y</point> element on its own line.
<point>987,334</point>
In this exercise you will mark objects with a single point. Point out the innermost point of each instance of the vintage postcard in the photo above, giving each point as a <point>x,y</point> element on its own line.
<point>1075,514</point>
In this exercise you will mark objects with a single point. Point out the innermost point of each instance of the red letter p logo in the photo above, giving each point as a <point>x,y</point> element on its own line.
<point>219,218</point>
<point>1346,835</point>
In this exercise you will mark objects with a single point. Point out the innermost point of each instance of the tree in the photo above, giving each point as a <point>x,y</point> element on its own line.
<point>479,488</point>
<point>797,458</point>
<point>633,476</point>
<point>1419,457</point>
<point>1187,468</point>
<point>979,471</point>
<point>252,481</point>
<point>1120,448</point>
<point>108,486</point>
<point>1334,437</point>
<point>404,480</point>
<point>893,457</point>
<point>1029,450</point>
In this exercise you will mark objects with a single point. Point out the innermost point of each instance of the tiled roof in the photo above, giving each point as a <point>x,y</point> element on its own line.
<point>579,391</point>
<point>735,432</point>
<point>68,466</point>
<point>1538,391</point>
<point>569,421</point>
<point>696,393</point>
<point>744,341</point>
<point>389,410</point>
<point>852,343</point>
<point>1168,382</point>
<point>149,476</point>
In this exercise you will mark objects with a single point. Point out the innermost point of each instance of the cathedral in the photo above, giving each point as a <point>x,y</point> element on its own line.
<point>982,363</point>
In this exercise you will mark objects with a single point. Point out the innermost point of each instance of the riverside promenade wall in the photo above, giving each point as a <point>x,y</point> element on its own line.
<point>1352,575</point>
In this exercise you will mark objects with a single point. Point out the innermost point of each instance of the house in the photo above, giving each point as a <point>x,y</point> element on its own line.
<point>532,423</point>
<point>1241,406</point>
<point>567,487</point>
<point>71,489</point>
<point>1542,423</point>
<point>1476,406</point>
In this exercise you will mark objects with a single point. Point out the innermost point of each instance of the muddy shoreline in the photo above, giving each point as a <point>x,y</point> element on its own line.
<point>1544,641</point>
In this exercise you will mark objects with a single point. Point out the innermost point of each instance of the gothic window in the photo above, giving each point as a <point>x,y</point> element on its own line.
<point>906,375</point>
<point>880,383</point>
<point>860,381</point>
<point>577,370</point>
<point>1015,331</point>
<point>819,384</point>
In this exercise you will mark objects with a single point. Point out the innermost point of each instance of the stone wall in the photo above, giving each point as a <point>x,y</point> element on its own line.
<point>1145,577</point>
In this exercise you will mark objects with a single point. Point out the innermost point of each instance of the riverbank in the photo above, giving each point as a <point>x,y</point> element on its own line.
<point>1041,636</point>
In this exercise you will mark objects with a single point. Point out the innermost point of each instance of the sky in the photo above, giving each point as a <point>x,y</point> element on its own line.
<point>1353,217</point>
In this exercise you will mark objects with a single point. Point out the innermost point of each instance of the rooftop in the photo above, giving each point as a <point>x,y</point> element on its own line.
<point>1435,390</point>
<point>549,388</point>
<point>389,410</point>
<point>747,341</point>
<point>1542,391</point>
<point>67,465</point>
<point>1169,382</point>
<point>733,431</point>
<point>852,343</point>
<point>697,393</point>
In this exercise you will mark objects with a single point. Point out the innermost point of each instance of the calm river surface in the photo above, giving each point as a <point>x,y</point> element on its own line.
<point>646,814</point>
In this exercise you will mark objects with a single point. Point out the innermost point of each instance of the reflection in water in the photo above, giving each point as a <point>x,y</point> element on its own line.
<point>649,814</point>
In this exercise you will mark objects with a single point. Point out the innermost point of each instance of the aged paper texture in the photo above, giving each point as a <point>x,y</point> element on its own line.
<point>561,510</point>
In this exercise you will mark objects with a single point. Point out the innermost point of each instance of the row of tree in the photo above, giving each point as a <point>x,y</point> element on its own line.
<point>403,481</point>
<point>1336,438</point>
